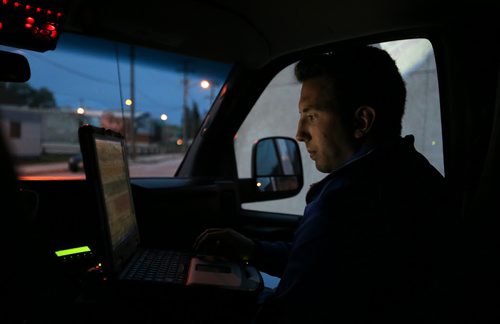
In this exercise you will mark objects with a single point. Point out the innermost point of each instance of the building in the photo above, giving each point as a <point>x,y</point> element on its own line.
<point>32,132</point>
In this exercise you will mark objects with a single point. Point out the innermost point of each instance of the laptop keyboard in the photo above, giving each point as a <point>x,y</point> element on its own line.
<point>159,266</point>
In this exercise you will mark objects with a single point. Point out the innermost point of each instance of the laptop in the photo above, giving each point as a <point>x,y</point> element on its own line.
<point>123,258</point>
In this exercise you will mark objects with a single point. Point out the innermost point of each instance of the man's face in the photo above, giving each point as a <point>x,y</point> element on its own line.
<point>327,140</point>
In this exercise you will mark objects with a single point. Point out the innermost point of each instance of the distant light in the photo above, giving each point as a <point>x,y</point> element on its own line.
<point>163,117</point>
<point>205,84</point>
<point>180,141</point>
<point>128,102</point>
<point>80,111</point>
<point>433,143</point>
<point>259,184</point>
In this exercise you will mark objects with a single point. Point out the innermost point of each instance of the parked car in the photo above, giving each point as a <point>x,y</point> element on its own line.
<point>65,63</point>
<point>75,163</point>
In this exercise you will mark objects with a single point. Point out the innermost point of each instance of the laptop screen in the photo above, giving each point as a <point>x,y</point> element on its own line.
<point>115,189</point>
<point>106,168</point>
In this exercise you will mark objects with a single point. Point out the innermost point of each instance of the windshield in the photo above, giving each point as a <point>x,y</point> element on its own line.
<point>156,99</point>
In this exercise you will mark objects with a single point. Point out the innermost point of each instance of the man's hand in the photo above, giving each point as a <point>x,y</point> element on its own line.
<point>225,242</point>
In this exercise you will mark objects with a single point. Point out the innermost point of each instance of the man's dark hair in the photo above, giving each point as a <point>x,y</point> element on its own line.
<point>362,75</point>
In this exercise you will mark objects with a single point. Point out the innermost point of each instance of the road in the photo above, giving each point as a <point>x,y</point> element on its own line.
<point>153,166</point>
<point>163,165</point>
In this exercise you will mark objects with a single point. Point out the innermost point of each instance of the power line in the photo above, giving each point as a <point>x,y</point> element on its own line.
<point>73,71</point>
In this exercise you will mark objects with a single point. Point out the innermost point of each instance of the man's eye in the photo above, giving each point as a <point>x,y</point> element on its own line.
<point>311,117</point>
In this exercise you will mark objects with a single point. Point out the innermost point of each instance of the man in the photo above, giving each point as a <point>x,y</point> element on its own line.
<point>370,246</point>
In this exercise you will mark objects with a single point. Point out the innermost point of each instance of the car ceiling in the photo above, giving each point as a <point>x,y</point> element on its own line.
<point>253,32</point>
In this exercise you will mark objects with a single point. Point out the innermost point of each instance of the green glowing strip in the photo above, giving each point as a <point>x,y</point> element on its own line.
<point>76,250</point>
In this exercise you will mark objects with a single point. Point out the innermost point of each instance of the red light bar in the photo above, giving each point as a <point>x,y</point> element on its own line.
<point>31,24</point>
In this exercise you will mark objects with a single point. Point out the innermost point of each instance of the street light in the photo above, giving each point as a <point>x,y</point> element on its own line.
<point>163,117</point>
<point>80,112</point>
<point>206,84</point>
<point>131,104</point>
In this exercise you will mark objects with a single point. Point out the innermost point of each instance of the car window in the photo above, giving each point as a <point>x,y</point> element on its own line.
<point>156,99</point>
<point>279,103</point>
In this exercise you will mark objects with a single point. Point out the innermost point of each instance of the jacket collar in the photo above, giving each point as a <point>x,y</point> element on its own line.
<point>361,154</point>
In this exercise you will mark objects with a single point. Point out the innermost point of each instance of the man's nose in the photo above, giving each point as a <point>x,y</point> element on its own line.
<point>300,135</point>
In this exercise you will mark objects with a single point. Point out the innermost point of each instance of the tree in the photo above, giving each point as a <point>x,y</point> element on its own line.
<point>23,94</point>
<point>43,98</point>
<point>11,96</point>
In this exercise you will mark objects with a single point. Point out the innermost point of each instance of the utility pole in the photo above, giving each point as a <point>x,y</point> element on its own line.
<point>132,98</point>
<point>185,111</point>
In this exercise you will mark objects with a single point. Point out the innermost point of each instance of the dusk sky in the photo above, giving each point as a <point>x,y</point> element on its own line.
<point>94,81</point>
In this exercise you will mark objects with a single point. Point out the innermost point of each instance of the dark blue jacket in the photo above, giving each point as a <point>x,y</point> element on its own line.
<point>370,246</point>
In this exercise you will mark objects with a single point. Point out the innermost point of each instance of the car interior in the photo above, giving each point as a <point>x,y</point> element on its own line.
<point>224,173</point>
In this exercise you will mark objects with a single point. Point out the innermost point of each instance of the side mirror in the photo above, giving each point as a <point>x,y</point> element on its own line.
<point>277,165</point>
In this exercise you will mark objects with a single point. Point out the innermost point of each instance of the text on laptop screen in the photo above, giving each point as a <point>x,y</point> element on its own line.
<point>116,190</point>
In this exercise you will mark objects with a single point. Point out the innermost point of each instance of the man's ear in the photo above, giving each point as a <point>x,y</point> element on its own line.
<point>364,117</point>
